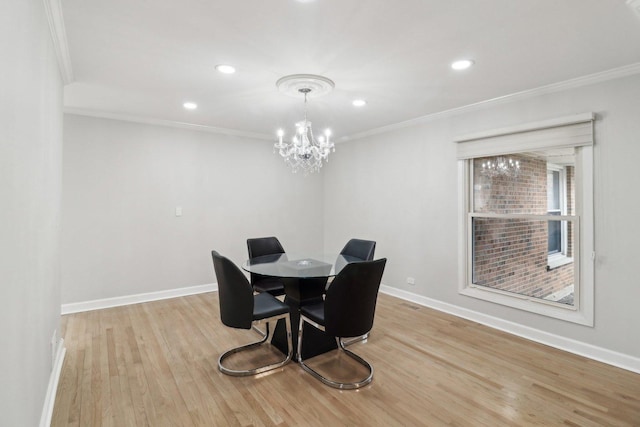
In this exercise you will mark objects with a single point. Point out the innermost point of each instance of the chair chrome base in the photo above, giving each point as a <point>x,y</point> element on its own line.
<point>265,336</point>
<point>341,347</point>
<point>354,340</point>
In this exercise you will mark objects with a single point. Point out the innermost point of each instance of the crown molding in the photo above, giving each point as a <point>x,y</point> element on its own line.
<point>590,79</point>
<point>587,80</point>
<point>166,123</point>
<point>53,9</point>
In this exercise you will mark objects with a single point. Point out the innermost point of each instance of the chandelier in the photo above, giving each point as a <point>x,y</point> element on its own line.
<point>305,152</point>
<point>501,166</point>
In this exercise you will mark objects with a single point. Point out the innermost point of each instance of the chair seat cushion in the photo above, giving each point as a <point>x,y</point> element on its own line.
<point>315,312</point>
<point>273,286</point>
<point>266,305</point>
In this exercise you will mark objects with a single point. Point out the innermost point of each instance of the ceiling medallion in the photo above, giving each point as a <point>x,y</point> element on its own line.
<point>305,152</point>
<point>291,85</point>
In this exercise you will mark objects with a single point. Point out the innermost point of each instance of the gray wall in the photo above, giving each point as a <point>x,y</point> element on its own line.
<point>122,182</point>
<point>401,189</point>
<point>30,188</point>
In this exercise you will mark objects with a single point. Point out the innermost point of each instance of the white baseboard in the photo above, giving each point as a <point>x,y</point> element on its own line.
<point>600,354</point>
<point>52,389</point>
<point>77,307</point>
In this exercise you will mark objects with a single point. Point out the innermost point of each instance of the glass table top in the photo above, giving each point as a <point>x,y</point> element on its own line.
<point>301,266</point>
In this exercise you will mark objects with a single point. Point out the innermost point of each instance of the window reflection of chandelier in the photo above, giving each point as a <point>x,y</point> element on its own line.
<point>305,151</point>
<point>501,166</point>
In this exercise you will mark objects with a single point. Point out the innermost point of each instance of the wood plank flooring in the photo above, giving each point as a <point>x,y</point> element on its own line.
<point>155,364</point>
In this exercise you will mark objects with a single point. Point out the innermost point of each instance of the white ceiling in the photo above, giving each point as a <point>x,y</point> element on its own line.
<point>144,58</point>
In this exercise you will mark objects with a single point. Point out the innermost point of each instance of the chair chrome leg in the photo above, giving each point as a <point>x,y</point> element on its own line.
<point>354,340</point>
<point>341,347</point>
<point>265,336</point>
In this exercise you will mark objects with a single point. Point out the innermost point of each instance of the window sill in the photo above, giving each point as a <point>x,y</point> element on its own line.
<point>557,260</point>
<point>546,308</point>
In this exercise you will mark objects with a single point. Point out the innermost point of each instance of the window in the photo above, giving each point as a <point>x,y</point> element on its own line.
<point>555,206</point>
<point>559,202</point>
<point>526,218</point>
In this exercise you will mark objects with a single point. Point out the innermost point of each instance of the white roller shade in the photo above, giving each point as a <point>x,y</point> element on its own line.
<point>566,132</point>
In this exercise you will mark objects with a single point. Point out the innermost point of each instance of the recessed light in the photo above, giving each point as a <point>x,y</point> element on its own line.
<point>359,103</point>
<point>225,69</point>
<point>190,105</point>
<point>462,64</point>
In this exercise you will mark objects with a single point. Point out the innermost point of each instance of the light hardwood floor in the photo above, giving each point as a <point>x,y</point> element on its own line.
<point>155,364</point>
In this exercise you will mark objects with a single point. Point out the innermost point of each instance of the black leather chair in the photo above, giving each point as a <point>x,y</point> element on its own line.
<point>240,308</point>
<point>347,311</point>
<point>362,250</point>
<point>265,246</point>
<point>358,248</point>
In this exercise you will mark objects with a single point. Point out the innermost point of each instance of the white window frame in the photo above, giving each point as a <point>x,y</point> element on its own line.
<point>582,312</point>
<point>559,259</point>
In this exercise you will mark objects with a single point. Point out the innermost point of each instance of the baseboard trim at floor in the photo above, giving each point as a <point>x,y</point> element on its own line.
<point>600,354</point>
<point>52,389</point>
<point>77,307</point>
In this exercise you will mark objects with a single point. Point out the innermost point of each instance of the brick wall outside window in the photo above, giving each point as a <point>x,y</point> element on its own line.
<point>511,254</point>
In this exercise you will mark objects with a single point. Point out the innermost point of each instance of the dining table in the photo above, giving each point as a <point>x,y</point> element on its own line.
<point>305,277</point>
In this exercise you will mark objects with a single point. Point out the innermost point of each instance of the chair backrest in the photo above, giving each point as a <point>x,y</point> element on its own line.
<point>264,246</point>
<point>350,303</point>
<point>234,293</point>
<point>363,249</point>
